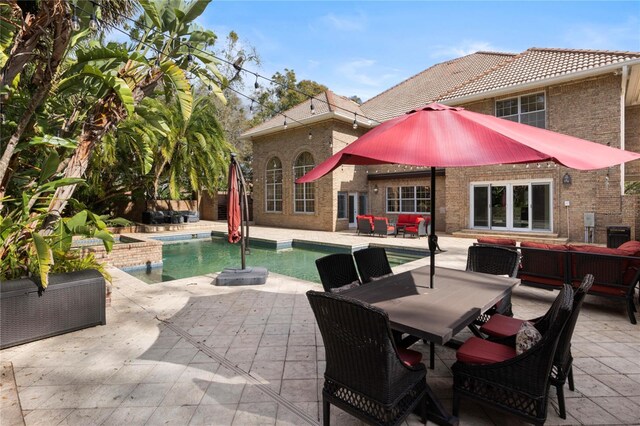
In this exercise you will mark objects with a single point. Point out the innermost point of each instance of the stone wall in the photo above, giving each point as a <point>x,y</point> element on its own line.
<point>128,252</point>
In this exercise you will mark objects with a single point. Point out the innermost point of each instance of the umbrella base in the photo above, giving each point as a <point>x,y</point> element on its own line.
<point>238,276</point>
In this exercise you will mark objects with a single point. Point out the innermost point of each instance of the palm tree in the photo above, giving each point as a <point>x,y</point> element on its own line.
<point>41,36</point>
<point>193,153</point>
<point>161,55</point>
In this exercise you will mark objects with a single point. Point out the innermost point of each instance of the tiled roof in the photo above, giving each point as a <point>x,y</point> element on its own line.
<point>430,84</point>
<point>323,103</point>
<point>538,64</point>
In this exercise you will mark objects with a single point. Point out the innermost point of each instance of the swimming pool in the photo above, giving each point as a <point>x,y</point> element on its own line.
<point>204,256</point>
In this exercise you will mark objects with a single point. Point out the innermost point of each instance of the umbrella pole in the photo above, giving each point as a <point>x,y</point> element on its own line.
<point>433,238</point>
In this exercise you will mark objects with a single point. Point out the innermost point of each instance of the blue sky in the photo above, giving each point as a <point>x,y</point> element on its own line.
<point>364,47</point>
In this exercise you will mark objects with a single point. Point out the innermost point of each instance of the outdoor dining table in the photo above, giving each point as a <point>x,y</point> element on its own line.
<point>439,313</point>
<point>434,314</point>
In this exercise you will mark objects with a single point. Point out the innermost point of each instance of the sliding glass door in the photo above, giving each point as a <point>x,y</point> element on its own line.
<point>518,206</point>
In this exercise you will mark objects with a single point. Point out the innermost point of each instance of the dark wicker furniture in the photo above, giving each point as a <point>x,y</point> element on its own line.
<point>72,301</point>
<point>381,227</point>
<point>337,270</point>
<point>616,276</point>
<point>364,224</point>
<point>372,263</point>
<point>364,375</point>
<point>494,260</point>
<point>518,385</point>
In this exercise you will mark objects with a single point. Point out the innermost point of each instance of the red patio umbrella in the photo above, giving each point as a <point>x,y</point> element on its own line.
<point>442,136</point>
<point>234,212</point>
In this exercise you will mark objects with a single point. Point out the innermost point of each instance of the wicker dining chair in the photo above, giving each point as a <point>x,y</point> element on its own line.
<point>372,263</point>
<point>364,374</point>
<point>337,270</point>
<point>518,385</point>
<point>496,261</point>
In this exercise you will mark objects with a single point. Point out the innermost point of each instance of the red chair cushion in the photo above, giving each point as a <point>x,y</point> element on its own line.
<point>632,248</point>
<point>409,357</point>
<point>531,244</point>
<point>501,326</point>
<point>479,351</point>
<point>497,241</point>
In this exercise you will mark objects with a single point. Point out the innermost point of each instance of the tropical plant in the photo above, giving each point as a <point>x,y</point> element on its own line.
<point>40,34</point>
<point>168,46</point>
<point>24,251</point>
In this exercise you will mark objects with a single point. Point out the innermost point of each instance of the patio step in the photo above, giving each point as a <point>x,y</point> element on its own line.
<point>538,237</point>
<point>10,401</point>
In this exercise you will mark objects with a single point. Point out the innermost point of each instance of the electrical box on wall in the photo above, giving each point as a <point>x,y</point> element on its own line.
<point>590,219</point>
<point>567,203</point>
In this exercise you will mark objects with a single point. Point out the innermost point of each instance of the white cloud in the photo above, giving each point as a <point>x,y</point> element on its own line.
<point>463,48</point>
<point>611,37</point>
<point>345,23</point>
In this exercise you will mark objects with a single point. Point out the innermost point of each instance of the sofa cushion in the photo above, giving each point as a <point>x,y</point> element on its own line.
<point>497,241</point>
<point>531,244</point>
<point>585,248</point>
<point>632,248</point>
<point>479,351</point>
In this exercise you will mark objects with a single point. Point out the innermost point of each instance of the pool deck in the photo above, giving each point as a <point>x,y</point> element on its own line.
<point>188,352</point>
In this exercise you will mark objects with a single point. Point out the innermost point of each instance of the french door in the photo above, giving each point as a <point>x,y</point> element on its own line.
<point>518,206</point>
<point>356,204</point>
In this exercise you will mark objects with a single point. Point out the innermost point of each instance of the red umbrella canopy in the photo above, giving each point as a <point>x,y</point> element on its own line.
<point>442,136</point>
<point>234,215</point>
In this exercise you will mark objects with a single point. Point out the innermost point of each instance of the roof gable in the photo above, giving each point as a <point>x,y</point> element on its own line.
<point>430,84</point>
<point>325,103</point>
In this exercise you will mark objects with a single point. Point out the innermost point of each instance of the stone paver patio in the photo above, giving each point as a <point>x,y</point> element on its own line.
<point>187,352</point>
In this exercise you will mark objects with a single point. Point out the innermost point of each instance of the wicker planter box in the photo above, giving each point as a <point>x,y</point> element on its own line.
<point>72,301</point>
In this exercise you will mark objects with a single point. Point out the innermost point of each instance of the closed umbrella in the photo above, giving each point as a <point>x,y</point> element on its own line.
<point>442,136</point>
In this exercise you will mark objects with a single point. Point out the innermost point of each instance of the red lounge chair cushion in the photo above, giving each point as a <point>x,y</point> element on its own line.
<point>497,241</point>
<point>409,357</point>
<point>479,351</point>
<point>596,250</point>
<point>501,326</point>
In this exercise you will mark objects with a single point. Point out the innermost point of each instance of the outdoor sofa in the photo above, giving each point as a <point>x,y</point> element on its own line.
<point>169,216</point>
<point>616,271</point>
<point>413,224</point>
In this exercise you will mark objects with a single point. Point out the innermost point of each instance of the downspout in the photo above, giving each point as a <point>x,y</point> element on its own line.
<point>623,94</point>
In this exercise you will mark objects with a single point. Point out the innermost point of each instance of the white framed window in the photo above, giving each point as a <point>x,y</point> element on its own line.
<point>343,212</point>
<point>303,193</point>
<point>273,186</point>
<point>512,205</point>
<point>408,199</point>
<point>527,109</point>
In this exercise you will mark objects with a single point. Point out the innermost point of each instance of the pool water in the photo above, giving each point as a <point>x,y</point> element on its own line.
<point>205,256</point>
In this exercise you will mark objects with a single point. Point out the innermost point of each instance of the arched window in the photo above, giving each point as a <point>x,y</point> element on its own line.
<point>304,196</point>
<point>273,185</point>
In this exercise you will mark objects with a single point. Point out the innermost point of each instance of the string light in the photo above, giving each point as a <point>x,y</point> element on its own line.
<point>310,135</point>
<point>93,22</point>
<point>75,21</point>
<point>355,123</point>
<point>189,55</point>
<point>285,122</point>
<point>313,110</point>
<point>256,84</point>
<point>251,106</point>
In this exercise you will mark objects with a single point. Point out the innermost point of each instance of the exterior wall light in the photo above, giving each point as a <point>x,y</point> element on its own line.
<point>566,179</point>
<point>375,189</point>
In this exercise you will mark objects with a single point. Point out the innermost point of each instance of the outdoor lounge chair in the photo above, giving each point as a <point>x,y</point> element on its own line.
<point>366,375</point>
<point>372,263</point>
<point>496,261</point>
<point>492,374</point>
<point>364,224</point>
<point>506,328</point>
<point>381,227</point>
<point>337,270</point>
